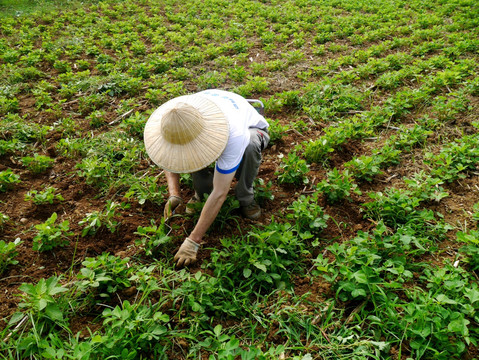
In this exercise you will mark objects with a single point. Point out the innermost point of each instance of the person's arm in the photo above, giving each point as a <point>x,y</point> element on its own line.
<point>173,181</point>
<point>187,252</point>
<point>221,187</point>
<point>174,200</point>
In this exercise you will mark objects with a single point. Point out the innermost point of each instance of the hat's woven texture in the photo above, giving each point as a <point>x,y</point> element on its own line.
<point>186,134</point>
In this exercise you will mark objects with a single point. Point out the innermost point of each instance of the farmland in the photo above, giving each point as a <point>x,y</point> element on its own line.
<point>368,243</point>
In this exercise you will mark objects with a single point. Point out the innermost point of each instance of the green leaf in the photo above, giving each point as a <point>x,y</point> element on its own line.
<point>381,345</point>
<point>443,299</point>
<point>459,326</point>
<point>217,330</point>
<point>97,339</point>
<point>197,307</point>
<point>42,304</point>
<point>16,318</point>
<point>161,317</point>
<point>246,272</point>
<point>361,277</point>
<point>27,288</point>
<point>472,295</point>
<point>54,312</point>
<point>158,330</point>
<point>358,292</point>
<point>260,266</point>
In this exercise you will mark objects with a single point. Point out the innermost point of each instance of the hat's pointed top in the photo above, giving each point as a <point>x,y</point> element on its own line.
<point>186,134</point>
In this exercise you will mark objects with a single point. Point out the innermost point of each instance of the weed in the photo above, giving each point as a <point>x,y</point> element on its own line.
<point>227,213</point>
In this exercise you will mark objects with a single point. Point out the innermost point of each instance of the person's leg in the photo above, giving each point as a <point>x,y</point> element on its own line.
<point>248,169</point>
<point>203,182</point>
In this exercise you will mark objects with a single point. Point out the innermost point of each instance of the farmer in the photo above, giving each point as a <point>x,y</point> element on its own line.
<point>188,133</point>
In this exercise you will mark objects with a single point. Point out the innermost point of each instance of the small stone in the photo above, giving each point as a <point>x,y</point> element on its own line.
<point>23,220</point>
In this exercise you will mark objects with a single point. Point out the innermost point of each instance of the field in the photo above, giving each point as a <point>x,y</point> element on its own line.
<point>368,243</point>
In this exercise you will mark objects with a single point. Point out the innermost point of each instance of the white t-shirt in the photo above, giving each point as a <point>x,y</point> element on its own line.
<point>241,116</point>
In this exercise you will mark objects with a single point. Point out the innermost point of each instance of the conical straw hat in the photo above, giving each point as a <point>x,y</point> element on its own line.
<point>186,134</point>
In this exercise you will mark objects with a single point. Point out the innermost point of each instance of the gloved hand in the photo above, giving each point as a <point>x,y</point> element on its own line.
<point>171,204</point>
<point>186,254</point>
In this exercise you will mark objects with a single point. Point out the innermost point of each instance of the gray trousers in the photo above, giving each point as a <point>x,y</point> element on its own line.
<point>246,173</point>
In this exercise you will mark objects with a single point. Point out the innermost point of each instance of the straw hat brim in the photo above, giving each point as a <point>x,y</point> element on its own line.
<point>194,154</point>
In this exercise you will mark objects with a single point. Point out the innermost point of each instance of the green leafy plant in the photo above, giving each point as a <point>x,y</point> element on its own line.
<point>134,124</point>
<point>455,159</point>
<point>262,191</point>
<point>46,312</point>
<point>152,237</point>
<point>276,130</point>
<point>145,188</point>
<point>293,170</point>
<point>40,299</point>
<point>8,252</point>
<point>95,220</point>
<point>38,163</point>
<point>346,79</point>
<point>308,215</point>
<point>51,235</point>
<point>327,101</point>
<point>96,118</point>
<point>47,196</point>
<point>338,186</point>
<point>364,167</point>
<point>7,179</point>
<point>8,105</point>
<point>105,275</point>
<point>262,259</point>
<point>426,187</point>
<point>4,219</point>
<point>131,329</point>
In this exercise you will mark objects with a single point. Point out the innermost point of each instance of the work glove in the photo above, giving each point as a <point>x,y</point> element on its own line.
<point>171,204</point>
<point>186,254</point>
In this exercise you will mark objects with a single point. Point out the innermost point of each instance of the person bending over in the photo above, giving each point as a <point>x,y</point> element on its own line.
<point>191,132</point>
